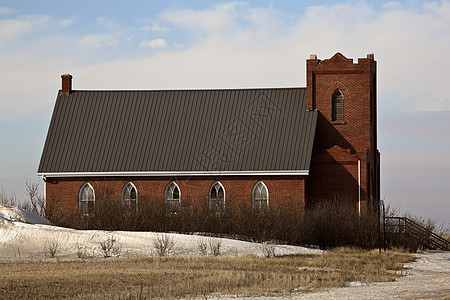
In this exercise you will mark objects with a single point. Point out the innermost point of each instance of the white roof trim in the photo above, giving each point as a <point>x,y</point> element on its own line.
<point>174,173</point>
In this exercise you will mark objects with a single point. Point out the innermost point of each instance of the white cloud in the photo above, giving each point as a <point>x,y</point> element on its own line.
<point>154,44</point>
<point>106,23</point>
<point>392,5</point>
<point>220,17</point>
<point>15,28</point>
<point>160,29</point>
<point>156,27</point>
<point>146,28</point>
<point>100,40</point>
<point>67,22</point>
<point>6,10</point>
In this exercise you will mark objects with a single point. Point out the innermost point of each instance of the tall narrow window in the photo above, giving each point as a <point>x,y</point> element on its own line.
<point>260,196</point>
<point>129,198</point>
<point>217,197</point>
<point>86,200</point>
<point>172,197</point>
<point>337,107</point>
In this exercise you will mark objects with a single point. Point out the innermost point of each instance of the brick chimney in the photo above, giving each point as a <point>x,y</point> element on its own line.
<point>66,87</point>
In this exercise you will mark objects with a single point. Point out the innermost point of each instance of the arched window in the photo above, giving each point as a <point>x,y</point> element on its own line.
<point>172,196</point>
<point>260,196</point>
<point>129,198</point>
<point>217,197</point>
<point>86,200</point>
<point>337,107</point>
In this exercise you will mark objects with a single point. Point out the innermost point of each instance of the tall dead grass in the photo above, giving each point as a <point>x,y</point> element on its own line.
<point>196,276</point>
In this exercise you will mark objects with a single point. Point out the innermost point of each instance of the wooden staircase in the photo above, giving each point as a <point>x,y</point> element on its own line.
<point>405,226</point>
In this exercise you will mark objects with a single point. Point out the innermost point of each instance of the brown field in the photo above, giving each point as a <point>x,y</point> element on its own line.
<point>195,276</point>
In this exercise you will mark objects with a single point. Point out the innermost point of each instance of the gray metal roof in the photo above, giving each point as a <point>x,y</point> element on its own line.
<point>180,131</point>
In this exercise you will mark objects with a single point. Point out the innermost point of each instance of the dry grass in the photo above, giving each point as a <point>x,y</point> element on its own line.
<point>196,276</point>
<point>446,236</point>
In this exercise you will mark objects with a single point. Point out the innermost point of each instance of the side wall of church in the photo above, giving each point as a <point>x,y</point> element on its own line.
<point>194,190</point>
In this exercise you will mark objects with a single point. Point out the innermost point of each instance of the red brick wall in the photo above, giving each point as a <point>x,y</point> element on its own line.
<point>335,172</point>
<point>237,188</point>
<point>334,175</point>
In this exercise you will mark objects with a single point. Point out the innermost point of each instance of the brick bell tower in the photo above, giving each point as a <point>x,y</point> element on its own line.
<point>345,163</point>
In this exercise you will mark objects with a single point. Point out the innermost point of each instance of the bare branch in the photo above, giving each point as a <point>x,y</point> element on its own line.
<point>36,202</point>
<point>7,198</point>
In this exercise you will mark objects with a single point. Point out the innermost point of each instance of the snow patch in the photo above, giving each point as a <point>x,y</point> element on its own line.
<point>14,214</point>
<point>352,283</point>
<point>10,213</point>
<point>26,233</point>
<point>32,218</point>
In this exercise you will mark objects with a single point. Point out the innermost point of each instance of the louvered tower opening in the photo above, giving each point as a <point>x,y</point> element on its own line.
<point>338,107</point>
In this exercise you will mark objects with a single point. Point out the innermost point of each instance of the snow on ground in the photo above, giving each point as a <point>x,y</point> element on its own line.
<point>24,235</point>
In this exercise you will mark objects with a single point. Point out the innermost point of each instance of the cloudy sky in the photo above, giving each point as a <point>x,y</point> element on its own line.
<point>216,44</point>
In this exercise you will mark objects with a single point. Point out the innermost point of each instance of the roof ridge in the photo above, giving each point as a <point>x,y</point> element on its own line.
<point>190,89</point>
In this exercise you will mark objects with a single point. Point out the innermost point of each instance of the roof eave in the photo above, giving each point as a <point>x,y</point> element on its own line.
<point>176,173</point>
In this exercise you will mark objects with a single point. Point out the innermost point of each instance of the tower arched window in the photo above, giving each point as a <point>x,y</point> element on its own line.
<point>260,196</point>
<point>129,197</point>
<point>337,106</point>
<point>217,197</point>
<point>172,197</point>
<point>86,200</point>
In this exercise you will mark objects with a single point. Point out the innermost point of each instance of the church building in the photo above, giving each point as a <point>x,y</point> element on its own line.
<point>264,146</point>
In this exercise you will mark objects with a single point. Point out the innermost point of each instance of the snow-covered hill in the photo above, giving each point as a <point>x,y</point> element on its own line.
<point>24,235</point>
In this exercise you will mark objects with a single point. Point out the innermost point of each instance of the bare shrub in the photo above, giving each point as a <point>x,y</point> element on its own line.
<point>58,213</point>
<point>163,244</point>
<point>7,198</point>
<point>214,246</point>
<point>17,254</point>
<point>326,224</point>
<point>268,249</point>
<point>336,224</point>
<point>110,213</point>
<point>51,247</point>
<point>202,247</point>
<point>36,202</point>
<point>110,246</point>
<point>82,252</point>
